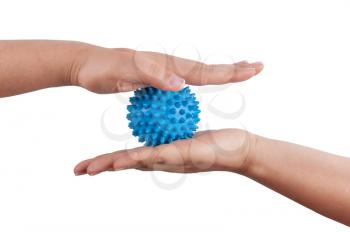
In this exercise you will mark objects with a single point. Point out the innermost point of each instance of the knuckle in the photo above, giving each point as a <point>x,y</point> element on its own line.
<point>183,153</point>
<point>234,72</point>
<point>159,158</point>
<point>207,71</point>
<point>118,87</point>
<point>141,156</point>
<point>135,155</point>
<point>122,86</point>
<point>90,85</point>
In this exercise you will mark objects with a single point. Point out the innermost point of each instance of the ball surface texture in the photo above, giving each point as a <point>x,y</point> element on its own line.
<point>160,117</point>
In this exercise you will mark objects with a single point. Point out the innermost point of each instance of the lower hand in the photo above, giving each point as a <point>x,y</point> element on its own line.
<point>219,150</point>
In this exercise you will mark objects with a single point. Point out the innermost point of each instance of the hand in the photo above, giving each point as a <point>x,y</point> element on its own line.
<point>104,70</point>
<point>220,150</point>
<point>37,64</point>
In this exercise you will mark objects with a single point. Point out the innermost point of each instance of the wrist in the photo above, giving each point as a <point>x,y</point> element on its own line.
<point>76,55</point>
<point>250,153</point>
<point>236,150</point>
<point>254,166</point>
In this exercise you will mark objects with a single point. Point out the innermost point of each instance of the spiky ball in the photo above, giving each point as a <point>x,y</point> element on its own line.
<point>160,117</point>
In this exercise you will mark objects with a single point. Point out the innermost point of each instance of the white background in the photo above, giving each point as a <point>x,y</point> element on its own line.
<point>302,96</point>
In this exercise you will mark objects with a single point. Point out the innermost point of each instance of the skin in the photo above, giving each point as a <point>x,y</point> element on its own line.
<point>315,179</point>
<point>32,65</point>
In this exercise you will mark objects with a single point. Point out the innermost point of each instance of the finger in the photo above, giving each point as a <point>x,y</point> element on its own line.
<point>258,67</point>
<point>216,74</point>
<point>171,168</point>
<point>124,162</point>
<point>244,64</point>
<point>80,169</point>
<point>135,158</point>
<point>164,168</point>
<point>160,77</point>
<point>198,73</point>
<point>101,163</point>
<point>157,158</point>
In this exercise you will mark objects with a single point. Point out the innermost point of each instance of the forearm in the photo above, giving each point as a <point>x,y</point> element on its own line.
<point>315,179</point>
<point>31,65</point>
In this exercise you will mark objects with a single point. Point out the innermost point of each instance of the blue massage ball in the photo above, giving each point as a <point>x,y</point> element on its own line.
<point>160,117</point>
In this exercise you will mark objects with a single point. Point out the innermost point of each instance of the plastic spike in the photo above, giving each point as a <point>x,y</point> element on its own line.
<point>130,108</point>
<point>139,114</point>
<point>141,138</point>
<point>169,102</point>
<point>145,105</point>
<point>135,133</point>
<point>154,140</point>
<point>129,116</point>
<point>156,114</point>
<point>162,140</point>
<point>148,140</point>
<point>132,99</point>
<point>148,130</point>
<point>147,114</point>
<point>172,111</point>
<point>157,129</point>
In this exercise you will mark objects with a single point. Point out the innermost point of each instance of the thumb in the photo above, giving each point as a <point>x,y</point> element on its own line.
<point>151,73</point>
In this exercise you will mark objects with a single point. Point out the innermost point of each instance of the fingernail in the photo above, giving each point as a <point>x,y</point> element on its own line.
<point>242,62</point>
<point>248,71</point>
<point>258,64</point>
<point>77,173</point>
<point>176,81</point>
<point>93,173</point>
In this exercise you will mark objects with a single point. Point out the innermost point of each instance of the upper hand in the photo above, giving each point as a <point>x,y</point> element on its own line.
<point>104,70</point>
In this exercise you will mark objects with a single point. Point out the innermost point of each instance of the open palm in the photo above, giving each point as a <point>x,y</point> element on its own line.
<point>225,149</point>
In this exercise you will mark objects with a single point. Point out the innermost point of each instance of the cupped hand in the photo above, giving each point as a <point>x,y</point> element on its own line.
<point>219,150</point>
<point>105,70</point>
